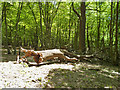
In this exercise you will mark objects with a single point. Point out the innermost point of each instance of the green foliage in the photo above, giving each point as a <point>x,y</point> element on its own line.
<point>60,24</point>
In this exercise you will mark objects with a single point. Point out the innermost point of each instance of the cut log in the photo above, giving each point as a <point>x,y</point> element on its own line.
<point>44,55</point>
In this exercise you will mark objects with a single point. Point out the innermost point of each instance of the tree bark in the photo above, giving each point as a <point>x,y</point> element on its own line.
<point>82,28</point>
<point>82,20</point>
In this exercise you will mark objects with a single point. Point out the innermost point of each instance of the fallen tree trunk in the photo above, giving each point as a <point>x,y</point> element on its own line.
<point>44,55</point>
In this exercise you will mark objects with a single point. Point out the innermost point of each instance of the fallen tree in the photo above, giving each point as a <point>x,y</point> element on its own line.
<point>44,55</point>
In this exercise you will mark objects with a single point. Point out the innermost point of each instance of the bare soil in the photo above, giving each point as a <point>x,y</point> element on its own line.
<point>21,76</point>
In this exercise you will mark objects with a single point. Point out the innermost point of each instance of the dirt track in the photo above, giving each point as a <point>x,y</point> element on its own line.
<point>20,76</point>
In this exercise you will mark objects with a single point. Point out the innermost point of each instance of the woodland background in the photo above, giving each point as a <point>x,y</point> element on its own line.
<point>79,27</point>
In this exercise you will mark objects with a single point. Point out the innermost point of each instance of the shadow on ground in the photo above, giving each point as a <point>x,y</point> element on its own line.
<point>83,77</point>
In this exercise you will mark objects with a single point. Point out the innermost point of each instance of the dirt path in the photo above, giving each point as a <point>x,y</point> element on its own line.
<point>82,75</point>
<point>18,76</point>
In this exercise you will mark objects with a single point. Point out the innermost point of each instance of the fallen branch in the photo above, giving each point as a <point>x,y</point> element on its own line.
<point>79,56</point>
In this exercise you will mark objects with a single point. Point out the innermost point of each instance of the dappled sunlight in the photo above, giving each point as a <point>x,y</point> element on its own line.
<point>55,44</point>
<point>86,76</point>
<point>111,71</point>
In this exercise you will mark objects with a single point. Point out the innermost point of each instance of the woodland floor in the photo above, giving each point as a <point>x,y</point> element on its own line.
<point>63,75</point>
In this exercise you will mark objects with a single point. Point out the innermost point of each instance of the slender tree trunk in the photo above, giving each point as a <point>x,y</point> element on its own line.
<point>72,39</point>
<point>10,35</point>
<point>36,32</point>
<point>98,25</point>
<point>69,26</point>
<point>24,37</point>
<point>91,40</point>
<point>41,36</point>
<point>48,27</point>
<point>17,21</point>
<point>88,43</point>
<point>103,41</point>
<point>57,38</point>
<point>76,36</point>
<point>116,37</point>
<point>113,22</point>
<point>66,35</point>
<point>6,45</point>
<point>111,55</point>
<point>60,41</point>
<point>3,10</point>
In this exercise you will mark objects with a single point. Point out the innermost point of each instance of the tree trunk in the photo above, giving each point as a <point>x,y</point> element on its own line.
<point>88,43</point>
<point>82,28</point>
<point>103,34</point>
<point>17,21</point>
<point>36,32</point>
<point>60,41</point>
<point>41,36</point>
<point>111,55</point>
<point>98,25</point>
<point>10,35</point>
<point>82,20</point>
<point>69,26</point>
<point>6,45</point>
<point>91,39</point>
<point>76,36</point>
<point>116,37</point>
<point>57,37</point>
<point>24,37</point>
